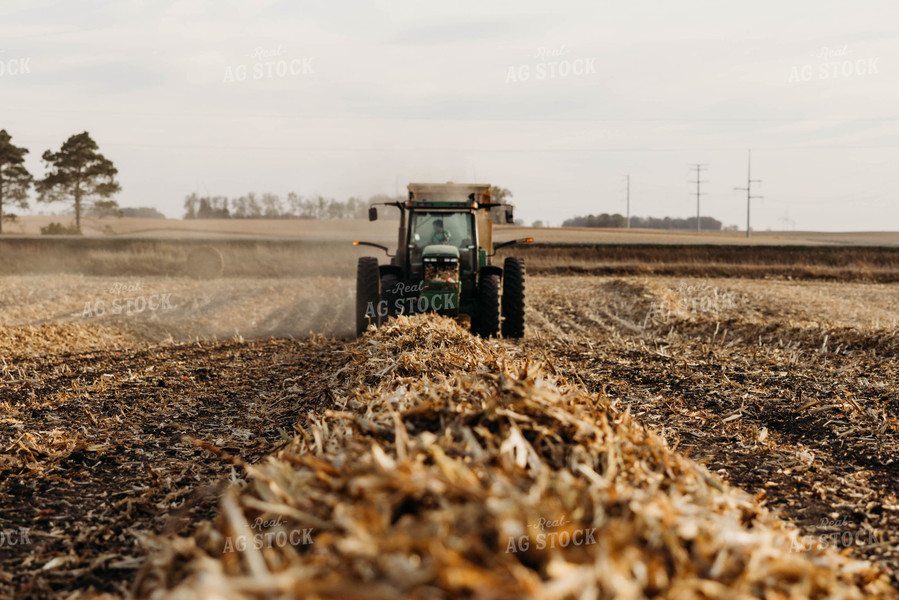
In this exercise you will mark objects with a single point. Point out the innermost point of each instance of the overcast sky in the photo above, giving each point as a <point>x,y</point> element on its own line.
<point>556,101</point>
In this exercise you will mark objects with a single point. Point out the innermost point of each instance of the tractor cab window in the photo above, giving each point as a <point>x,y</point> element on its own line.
<point>439,228</point>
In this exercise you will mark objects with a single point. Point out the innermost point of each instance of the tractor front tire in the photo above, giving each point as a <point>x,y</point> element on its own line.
<point>487,324</point>
<point>368,294</point>
<point>513,298</point>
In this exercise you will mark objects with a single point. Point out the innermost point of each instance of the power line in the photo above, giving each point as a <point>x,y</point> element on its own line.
<point>748,188</point>
<point>699,168</point>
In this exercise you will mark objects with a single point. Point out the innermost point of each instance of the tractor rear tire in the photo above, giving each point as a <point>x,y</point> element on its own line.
<point>488,306</point>
<point>513,298</point>
<point>368,294</point>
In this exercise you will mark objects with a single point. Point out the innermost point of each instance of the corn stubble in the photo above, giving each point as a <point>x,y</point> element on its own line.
<point>441,449</point>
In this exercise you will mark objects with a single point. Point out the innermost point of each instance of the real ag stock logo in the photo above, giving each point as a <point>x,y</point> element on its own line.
<point>834,63</point>
<point>124,301</point>
<point>270,534</point>
<point>268,63</point>
<point>408,299</point>
<point>14,537</point>
<point>549,538</point>
<point>14,66</point>
<point>838,534</point>
<point>551,63</point>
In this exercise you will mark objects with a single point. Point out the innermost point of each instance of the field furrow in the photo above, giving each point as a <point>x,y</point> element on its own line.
<point>122,432</point>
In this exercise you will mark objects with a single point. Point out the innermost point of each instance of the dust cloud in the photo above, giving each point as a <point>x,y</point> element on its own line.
<point>149,291</point>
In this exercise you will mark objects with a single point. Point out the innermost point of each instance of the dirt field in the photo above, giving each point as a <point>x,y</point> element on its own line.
<point>384,231</point>
<point>784,389</point>
<point>297,258</point>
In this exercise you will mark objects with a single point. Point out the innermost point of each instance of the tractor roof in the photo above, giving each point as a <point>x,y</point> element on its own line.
<point>449,195</point>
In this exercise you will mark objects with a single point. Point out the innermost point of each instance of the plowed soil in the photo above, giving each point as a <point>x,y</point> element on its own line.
<point>117,428</point>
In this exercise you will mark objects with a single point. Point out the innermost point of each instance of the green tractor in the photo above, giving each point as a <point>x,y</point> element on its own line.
<point>442,264</point>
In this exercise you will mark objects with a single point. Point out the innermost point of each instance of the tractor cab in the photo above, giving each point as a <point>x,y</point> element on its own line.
<point>447,234</point>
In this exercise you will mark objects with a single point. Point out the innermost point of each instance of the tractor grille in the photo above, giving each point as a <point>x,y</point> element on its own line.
<point>442,269</point>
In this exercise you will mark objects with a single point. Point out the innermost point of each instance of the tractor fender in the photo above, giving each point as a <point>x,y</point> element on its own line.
<point>492,270</point>
<point>391,270</point>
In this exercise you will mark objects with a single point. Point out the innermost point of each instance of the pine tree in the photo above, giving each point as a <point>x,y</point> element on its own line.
<point>79,173</point>
<point>15,180</point>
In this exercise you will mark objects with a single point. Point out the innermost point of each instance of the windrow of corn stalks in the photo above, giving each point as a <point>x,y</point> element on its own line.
<point>451,467</point>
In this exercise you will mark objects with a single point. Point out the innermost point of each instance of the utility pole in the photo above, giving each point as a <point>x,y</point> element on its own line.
<point>628,201</point>
<point>699,169</point>
<point>748,189</point>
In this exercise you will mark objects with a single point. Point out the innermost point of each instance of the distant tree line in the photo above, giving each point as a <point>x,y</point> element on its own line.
<point>295,206</point>
<point>271,206</point>
<point>139,212</point>
<point>619,221</point>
